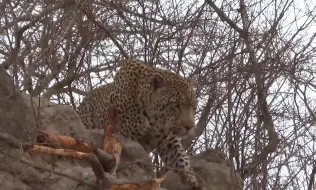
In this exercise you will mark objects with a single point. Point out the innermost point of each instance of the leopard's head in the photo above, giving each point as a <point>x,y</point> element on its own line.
<point>170,100</point>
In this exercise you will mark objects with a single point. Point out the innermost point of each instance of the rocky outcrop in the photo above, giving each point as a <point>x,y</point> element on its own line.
<point>213,171</point>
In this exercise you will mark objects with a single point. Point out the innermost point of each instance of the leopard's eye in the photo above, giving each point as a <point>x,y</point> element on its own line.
<point>174,103</point>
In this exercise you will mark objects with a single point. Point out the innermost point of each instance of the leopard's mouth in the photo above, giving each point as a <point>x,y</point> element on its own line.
<point>181,130</point>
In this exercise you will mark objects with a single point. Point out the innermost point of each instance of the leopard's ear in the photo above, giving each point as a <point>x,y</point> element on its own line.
<point>158,81</point>
<point>193,81</point>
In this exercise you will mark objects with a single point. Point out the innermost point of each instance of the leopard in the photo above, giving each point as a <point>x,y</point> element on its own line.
<point>151,102</point>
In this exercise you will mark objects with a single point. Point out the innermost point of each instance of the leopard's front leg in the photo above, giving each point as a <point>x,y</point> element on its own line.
<point>174,156</point>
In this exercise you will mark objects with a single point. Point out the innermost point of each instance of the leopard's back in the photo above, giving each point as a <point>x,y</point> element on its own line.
<point>93,108</point>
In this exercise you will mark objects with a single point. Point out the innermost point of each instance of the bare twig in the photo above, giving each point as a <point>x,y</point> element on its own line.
<point>312,179</point>
<point>101,26</point>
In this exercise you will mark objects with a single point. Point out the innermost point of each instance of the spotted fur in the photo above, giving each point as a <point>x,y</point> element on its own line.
<point>155,107</point>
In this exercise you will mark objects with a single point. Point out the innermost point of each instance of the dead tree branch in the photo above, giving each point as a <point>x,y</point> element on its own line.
<point>262,103</point>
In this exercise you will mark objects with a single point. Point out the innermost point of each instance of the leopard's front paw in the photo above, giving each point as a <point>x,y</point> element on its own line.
<point>190,179</point>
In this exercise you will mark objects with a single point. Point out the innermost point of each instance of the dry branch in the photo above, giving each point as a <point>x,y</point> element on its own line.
<point>312,179</point>
<point>105,29</point>
<point>262,102</point>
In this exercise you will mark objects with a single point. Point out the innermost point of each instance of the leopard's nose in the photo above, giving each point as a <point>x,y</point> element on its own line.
<point>188,127</point>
